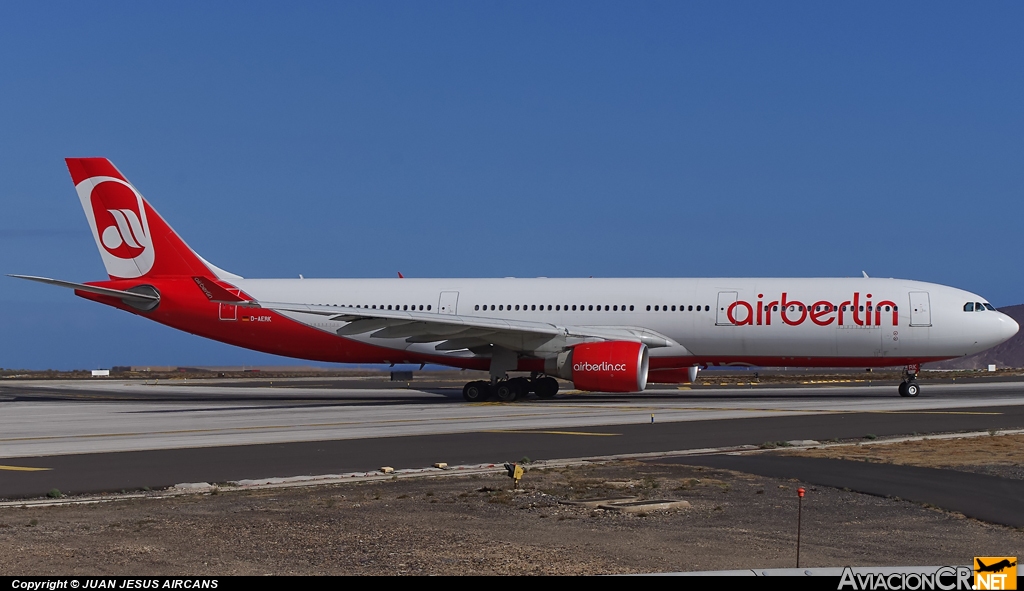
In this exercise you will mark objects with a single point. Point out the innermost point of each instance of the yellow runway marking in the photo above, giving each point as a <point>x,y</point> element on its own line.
<point>23,469</point>
<point>925,412</point>
<point>554,432</point>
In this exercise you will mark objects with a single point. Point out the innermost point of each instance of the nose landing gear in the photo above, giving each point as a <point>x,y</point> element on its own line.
<point>909,387</point>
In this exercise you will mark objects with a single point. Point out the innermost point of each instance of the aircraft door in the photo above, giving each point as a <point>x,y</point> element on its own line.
<point>725,299</point>
<point>228,311</point>
<point>448,302</point>
<point>920,309</point>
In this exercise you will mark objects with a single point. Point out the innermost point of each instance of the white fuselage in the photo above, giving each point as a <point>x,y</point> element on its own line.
<point>824,322</point>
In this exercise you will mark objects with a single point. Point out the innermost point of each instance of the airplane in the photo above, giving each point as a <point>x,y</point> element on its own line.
<point>994,568</point>
<point>602,334</point>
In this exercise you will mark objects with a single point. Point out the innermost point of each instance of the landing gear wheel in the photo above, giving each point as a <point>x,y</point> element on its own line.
<point>507,391</point>
<point>546,387</point>
<point>476,391</point>
<point>910,389</point>
<point>522,385</point>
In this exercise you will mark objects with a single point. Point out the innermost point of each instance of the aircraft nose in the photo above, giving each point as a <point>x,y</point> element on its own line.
<point>1007,327</point>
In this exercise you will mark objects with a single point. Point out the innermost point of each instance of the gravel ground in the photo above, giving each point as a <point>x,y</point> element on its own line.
<point>476,525</point>
<point>1000,455</point>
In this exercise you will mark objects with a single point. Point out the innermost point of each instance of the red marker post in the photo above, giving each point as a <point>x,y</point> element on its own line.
<point>799,514</point>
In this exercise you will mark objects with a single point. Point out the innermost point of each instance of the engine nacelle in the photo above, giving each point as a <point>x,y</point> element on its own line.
<point>609,366</point>
<point>682,375</point>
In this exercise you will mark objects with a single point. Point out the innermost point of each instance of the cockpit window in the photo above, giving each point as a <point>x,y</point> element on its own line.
<point>969,307</point>
<point>988,306</point>
<point>979,307</point>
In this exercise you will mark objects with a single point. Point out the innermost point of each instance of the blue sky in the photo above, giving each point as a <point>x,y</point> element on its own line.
<point>491,139</point>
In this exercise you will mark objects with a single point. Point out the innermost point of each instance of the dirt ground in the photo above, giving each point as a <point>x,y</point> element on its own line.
<point>476,525</point>
<point>998,455</point>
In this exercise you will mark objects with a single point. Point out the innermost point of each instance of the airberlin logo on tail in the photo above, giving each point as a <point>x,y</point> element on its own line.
<point>603,366</point>
<point>127,232</point>
<point>859,310</point>
<point>117,216</point>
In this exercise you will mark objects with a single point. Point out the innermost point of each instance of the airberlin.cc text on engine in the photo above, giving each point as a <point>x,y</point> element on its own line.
<point>603,366</point>
<point>820,312</point>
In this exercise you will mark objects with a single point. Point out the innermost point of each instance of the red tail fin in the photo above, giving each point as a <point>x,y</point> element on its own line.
<point>133,240</point>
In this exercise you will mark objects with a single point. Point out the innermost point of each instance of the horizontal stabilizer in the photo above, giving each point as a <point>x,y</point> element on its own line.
<point>127,296</point>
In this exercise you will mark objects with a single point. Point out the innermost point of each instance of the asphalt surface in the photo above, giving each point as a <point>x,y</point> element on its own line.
<point>984,497</point>
<point>130,470</point>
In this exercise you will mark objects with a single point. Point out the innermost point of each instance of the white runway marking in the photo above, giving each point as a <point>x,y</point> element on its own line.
<point>34,428</point>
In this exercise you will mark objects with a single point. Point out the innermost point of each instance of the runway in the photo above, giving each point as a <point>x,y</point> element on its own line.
<point>91,436</point>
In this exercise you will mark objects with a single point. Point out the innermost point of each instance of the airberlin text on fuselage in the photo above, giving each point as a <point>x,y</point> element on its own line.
<point>859,310</point>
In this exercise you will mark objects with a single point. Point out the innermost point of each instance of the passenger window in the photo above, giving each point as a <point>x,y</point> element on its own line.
<point>558,307</point>
<point>421,306</point>
<point>615,308</point>
<point>657,308</point>
<point>648,308</point>
<point>606,308</point>
<point>501,307</point>
<point>428,307</point>
<point>574,307</point>
<point>673,308</point>
<point>631,308</point>
<point>969,307</point>
<point>517,307</point>
<point>534,307</point>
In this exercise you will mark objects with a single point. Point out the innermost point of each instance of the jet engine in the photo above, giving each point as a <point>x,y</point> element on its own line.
<point>608,366</point>
<point>682,375</point>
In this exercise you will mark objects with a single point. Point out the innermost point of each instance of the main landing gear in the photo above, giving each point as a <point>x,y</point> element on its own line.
<point>909,387</point>
<point>509,390</point>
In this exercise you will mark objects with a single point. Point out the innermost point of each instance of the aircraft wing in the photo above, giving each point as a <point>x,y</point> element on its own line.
<point>453,332</point>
